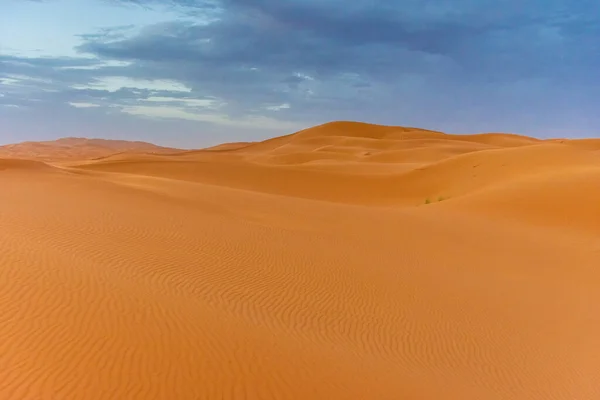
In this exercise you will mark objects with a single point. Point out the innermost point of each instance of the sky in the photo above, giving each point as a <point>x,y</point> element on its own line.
<point>193,73</point>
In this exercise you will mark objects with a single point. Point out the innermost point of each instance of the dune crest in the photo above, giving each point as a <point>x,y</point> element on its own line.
<point>345,261</point>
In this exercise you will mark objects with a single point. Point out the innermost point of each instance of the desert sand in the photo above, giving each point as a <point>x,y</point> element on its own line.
<point>346,261</point>
<point>78,149</point>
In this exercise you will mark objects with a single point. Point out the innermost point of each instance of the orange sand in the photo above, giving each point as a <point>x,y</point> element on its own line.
<point>306,267</point>
<point>77,149</point>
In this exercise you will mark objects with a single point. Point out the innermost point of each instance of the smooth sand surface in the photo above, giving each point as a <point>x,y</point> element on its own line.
<point>69,149</point>
<point>347,261</point>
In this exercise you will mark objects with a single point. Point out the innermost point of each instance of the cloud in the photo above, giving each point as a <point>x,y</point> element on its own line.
<point>314,53</point>
<point>451,65</point>
<point>115,83</point>
<point>83,105</point>
<point>278,107</point>
<point>373,41</point>
<point>257,122</point>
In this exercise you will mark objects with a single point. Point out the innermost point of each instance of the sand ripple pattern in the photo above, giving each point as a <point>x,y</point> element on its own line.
<point>154,282</point>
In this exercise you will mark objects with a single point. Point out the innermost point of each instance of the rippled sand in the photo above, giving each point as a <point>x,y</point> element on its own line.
<point>347,261</point>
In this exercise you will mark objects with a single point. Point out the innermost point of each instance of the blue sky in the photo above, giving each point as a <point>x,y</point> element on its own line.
<point>192,73</point>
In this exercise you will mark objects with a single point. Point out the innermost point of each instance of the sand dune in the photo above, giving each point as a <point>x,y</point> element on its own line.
<point>18,164</point>
<point>77,149</point>
<point>229,146</point>
<point>346,261</point>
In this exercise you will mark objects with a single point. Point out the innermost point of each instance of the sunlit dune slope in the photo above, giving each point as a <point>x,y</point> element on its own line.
<point>347,261</point>
<point>23,165</point>
<point>324,164</point>
<point>566,199</point>
<point>229,146</point>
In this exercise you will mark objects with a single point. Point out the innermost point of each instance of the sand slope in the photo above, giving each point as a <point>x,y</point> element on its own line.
<point>305,267</point>
<point>77,149</point>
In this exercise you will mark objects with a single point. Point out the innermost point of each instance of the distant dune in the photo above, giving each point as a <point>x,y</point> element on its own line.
<point>229,146</point>
<point>77,149</point>
<point>345,261</point>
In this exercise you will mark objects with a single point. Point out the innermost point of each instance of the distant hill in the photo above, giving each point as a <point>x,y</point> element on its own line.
<point>73,148</point>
